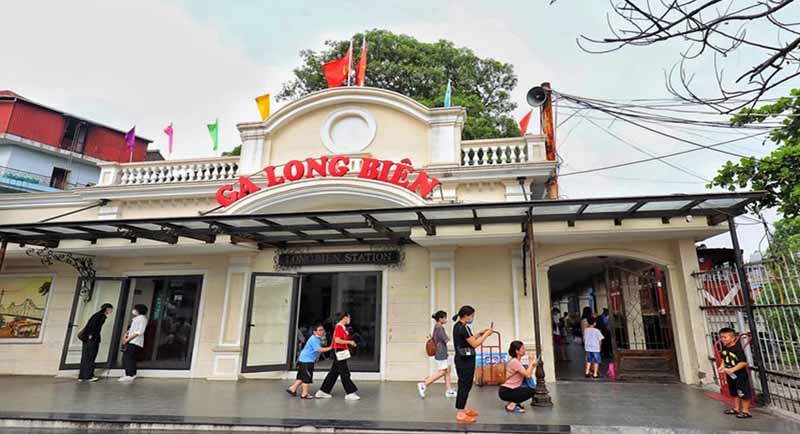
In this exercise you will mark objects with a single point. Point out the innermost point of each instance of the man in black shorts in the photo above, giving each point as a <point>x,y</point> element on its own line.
<point>734,365</point>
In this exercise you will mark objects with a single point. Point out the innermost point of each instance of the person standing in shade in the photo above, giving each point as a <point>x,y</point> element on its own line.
<point>513,391</point>
<point>341,347</point>
<point>90,336</point>
<point>134,341</point>
<point>465,344</point>
<point>442,363</point>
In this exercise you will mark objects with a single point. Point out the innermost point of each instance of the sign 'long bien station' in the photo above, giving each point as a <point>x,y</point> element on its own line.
<point>338,166</point>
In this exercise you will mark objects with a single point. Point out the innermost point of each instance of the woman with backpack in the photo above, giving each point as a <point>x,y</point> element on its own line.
<point>439,339</point>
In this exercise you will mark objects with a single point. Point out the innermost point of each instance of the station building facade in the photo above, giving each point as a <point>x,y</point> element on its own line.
<point>233,303</point>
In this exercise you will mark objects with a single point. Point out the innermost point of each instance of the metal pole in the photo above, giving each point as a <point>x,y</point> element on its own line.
<point>541,395</point>
<point>748,306</point>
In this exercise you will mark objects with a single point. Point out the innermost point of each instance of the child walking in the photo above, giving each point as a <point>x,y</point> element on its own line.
<point>442,363</point>
<point>305,363</point>
<point>591,344</point>
<point>734,364</point>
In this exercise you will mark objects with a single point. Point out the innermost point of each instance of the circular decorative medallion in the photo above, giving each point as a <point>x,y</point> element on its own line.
<point>348,130</point>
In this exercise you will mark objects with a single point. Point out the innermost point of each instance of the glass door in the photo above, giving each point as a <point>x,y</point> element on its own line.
<point>270,315</point>
<point>90,294</point>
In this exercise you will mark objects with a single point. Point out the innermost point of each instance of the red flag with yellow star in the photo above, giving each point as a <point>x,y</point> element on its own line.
<point>337,71</point>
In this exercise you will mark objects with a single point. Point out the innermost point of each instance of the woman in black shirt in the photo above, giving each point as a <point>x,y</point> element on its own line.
<point>465,344</point>
<point>90,335</point>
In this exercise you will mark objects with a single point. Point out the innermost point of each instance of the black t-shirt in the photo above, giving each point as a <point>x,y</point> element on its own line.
<point>94,326</point>
<point>460,334</point>
<point>733,355</point>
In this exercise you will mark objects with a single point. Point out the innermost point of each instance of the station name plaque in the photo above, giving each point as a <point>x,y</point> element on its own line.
<point>379,257</point>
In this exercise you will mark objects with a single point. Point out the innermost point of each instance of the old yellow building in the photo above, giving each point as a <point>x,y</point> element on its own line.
<point>232,289</point>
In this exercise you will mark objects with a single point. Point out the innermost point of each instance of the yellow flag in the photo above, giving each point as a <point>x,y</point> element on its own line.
<point>263,106</point>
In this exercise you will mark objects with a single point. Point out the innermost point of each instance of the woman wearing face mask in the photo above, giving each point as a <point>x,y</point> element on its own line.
<point>341,343</point>
<point>90,336</point>
<point>134,341</point>
<point>465,344</point>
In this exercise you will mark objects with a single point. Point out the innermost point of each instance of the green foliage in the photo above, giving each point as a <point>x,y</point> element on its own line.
<point>787,234</point>
<point>420,70</point>
<point>778,173</point>
<point>235,152</point>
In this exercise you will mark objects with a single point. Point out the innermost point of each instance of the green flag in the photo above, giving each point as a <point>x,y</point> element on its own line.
<point>213,131</point>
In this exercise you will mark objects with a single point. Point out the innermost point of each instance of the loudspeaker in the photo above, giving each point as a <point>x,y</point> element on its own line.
<point>536,96</point>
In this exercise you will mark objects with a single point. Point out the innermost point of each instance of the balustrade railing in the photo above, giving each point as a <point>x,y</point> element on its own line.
<point>500,152</point>
<point>166,172</point>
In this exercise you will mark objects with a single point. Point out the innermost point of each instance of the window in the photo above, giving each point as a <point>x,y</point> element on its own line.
<point>59,178</point>
<point>74,135</point>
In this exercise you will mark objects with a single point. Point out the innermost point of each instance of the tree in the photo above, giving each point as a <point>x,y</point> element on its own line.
<point>778,174</point>
<point>420,70</point>
<point>715,28</point>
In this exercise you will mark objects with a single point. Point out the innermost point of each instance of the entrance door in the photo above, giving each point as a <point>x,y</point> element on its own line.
<point>323,295</point>
<point>90,294</point>
<point>641,325</point>
<point>173,303</point>
<point>270,315</point>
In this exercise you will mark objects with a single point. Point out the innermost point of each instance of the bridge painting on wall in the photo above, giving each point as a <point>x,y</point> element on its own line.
<point>23,302</point>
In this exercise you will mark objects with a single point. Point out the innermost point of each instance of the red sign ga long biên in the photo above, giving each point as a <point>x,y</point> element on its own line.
<point>338,166</point>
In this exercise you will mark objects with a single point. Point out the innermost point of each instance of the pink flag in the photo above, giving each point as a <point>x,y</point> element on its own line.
<point>169,132</point>
<point>130,138</point>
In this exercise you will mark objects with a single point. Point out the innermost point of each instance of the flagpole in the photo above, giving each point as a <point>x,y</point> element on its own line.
<point>349,61</point>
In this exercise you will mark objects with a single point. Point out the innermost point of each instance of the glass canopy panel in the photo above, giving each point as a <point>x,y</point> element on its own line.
<point>147,226</point>
<point>448,214</point>
<point>671,205</point>
<point>64,230</point>
<point>194,225</point>
<point>555,209</point>
<point>720,203</point>
<point>395,217</point>
<point>337,219</point>
<point>292,221</point>
<point>609,207</point>
<point>502,212</point>
<point>243,223</point>
<point>321,232</point>
<point>21,232</point>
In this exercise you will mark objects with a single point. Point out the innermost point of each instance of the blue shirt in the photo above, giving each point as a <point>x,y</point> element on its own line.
<point>310,352</point>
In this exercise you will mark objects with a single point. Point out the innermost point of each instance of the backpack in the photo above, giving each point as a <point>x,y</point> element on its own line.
<point>430,347</point>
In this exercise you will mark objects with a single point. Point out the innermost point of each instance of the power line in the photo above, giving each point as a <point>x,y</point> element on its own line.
<point>646,152</point>
<point>645,160</point>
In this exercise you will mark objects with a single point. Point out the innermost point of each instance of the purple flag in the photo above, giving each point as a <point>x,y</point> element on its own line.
<point>130,138</point>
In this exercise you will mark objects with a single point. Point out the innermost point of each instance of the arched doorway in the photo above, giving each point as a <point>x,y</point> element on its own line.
<point>627,300</point>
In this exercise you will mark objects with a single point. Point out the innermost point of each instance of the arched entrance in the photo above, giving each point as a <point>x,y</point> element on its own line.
<point>627,299</point>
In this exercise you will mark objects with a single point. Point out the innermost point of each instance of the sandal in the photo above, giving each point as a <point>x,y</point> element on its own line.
<point>516,409</point>
<point>309,396</point>
<point>731,411</point>
<point>744,416</point>
<point>465,418</point>
<point>471,413</point>
<point>291,393</point>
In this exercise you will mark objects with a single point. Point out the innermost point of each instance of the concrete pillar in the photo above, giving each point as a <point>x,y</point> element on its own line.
<point>444,138</point>
<point>545,324</point>
<point>255,153</point>
<point>688,265</point>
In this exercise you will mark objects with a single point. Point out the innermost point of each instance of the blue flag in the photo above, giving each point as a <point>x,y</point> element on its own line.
<point>447,93</point>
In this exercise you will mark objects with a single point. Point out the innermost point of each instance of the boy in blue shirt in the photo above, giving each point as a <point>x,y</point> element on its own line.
<point>305,363</point>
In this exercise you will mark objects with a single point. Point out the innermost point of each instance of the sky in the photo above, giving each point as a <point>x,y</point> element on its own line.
<point>148,63</point>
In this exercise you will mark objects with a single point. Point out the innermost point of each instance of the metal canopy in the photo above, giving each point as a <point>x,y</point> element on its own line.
<point>376,226</point>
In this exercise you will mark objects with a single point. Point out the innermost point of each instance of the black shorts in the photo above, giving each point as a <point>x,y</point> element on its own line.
<point>305,372</point>
<point>740,386</point>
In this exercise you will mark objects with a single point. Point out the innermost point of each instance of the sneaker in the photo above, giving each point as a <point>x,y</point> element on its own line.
<point>322,395</point>
<point>451,393</point>
<point>421,389</point>
<point>125,379</point>
<point>80,380</point>
<point>93,379</point>
<point>352,397</point>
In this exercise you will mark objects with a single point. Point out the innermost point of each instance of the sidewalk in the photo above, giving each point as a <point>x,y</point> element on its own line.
<point>579,407</point>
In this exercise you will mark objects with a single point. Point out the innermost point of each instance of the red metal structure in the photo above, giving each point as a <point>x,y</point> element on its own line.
<point>23,118</point>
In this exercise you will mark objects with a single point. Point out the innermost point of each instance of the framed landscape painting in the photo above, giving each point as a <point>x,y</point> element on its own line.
<point>23,307</point>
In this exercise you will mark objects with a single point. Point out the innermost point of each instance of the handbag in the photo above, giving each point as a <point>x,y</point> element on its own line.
<point>342,355</point>
<point>430,347</point>
<point>82,335</point>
